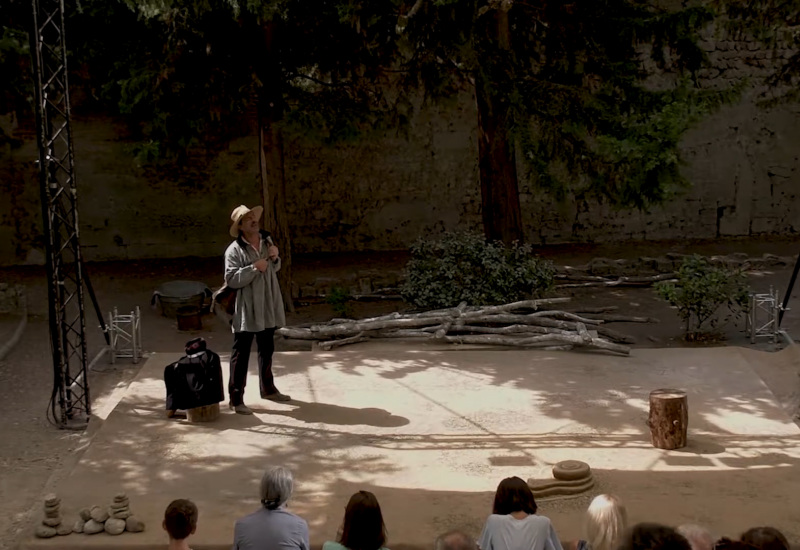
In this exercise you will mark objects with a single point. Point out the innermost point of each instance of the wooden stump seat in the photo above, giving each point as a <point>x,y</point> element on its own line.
<point>208,413</point>
<point>669,418</point>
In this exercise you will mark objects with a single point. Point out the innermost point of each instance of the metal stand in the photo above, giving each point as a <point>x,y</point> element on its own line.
<point>763,318</point>
<point>126,335</point>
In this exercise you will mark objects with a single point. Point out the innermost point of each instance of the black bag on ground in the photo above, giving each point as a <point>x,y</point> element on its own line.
<point>194,380</point>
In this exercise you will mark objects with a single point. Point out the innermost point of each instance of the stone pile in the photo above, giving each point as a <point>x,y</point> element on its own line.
<point>114,520</point>
<point>52,524</point>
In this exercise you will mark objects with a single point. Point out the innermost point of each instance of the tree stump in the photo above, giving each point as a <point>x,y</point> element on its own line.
<point>207,413</point>
<point>669,418</point>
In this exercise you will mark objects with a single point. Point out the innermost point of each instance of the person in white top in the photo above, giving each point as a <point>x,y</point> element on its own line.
<point>514,524</point>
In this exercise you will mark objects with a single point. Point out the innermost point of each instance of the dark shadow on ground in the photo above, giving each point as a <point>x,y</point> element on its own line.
<point>326,413</point>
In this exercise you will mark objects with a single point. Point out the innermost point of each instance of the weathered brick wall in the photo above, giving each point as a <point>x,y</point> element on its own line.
<point>385,191</point>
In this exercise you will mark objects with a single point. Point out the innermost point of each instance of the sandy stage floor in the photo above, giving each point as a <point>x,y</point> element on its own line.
<point>432,432</point>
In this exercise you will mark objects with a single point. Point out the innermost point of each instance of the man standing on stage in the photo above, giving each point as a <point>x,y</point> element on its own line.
<point>251,264</point>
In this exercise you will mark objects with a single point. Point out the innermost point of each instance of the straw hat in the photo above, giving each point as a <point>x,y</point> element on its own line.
<point>240,212</point>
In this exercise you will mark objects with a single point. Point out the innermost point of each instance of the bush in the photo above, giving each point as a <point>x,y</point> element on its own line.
<point>701,290</point>
<point>465,267</point>
<point>339,300</point>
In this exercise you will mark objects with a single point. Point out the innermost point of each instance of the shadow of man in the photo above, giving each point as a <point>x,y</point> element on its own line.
<point>325,413</point>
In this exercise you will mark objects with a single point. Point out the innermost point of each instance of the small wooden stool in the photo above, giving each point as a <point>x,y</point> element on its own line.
<point>669,418</point>
<point>208,413</point>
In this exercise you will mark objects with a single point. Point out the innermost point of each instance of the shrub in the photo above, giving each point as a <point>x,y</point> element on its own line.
<point>339,299</point>
<point>465,267</point>
<point>701,290</point>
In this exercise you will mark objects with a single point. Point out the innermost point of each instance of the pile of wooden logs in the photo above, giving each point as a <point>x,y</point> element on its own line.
<point>518,324</point>
<point>579,280</point>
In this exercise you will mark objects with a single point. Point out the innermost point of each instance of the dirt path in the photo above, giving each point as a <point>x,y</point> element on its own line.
<point>33,454</point>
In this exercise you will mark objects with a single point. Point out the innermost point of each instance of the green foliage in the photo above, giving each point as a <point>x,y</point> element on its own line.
<point>193,73</point>
<point>703,288</point>
<point>574,75</point>
<point>340,300</point>
<point>600,92</point>
<point>16,91</point>
<point>465,267</point>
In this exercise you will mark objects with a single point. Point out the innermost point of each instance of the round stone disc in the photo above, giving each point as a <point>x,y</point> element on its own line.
<point>568,470</point>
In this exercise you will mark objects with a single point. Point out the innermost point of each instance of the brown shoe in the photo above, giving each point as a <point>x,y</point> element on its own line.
<point>170,413</point>
<point>277,396</point>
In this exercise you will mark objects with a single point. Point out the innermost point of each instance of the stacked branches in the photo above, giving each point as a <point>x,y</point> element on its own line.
<point>518,324</point>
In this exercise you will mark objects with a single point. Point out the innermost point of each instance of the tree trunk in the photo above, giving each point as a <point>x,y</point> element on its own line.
<point>669,419</point>
<point>271,160</point>
<point>502,217</point>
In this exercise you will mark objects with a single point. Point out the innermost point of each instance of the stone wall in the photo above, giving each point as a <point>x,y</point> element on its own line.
<point>12,298</point>
<point>385,191</point>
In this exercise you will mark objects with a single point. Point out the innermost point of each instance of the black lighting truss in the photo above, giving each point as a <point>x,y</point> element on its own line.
<point>60,216</point>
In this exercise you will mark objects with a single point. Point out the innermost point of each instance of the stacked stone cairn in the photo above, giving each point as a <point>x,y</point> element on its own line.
<point>51,524</point>
<point>114,520</point>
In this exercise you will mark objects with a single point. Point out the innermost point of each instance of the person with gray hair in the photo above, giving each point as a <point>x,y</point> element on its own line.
<point>455,540</point>
<point>699,537</point>
<point>272,527</point>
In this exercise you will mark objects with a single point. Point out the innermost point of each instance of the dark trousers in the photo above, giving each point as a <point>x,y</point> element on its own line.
<point>240,356</point>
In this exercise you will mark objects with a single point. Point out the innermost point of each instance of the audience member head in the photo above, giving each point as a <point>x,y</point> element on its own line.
<point>180,519</point>
<point>606,521</point>
<point>513,495</point>
<point>455,540</point>
<point>765,538</point>
<point>363,527</point>
<point>276,487</point>
<point>652,536</point>
<point>728,544</point>
<point>699,537</point>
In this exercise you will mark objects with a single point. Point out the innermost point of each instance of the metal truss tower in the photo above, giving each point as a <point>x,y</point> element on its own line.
<point>60,216</point>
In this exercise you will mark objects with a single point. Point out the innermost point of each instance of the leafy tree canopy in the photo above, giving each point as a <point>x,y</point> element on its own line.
<point>600,92</point>
<point>191,71</point>
<point>16,91</point>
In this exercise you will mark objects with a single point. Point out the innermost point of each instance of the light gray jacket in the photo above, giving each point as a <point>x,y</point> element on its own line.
<point>271,530</point>
<point>259,304</point>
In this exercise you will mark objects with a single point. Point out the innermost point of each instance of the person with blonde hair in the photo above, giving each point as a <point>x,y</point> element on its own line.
<point>606,521</point>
